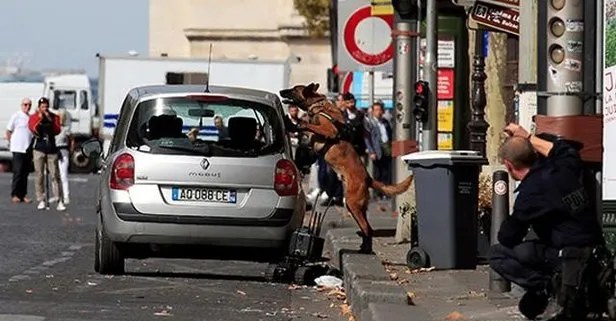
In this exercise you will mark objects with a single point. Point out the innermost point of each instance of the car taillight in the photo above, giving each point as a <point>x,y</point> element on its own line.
<point>286,178</point>
<point>122,172</point>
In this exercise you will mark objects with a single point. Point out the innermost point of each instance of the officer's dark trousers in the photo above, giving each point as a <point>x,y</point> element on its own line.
<point>529,265</point>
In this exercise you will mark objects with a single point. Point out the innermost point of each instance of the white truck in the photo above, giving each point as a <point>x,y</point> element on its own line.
<point>119,74</point>
<point>73,93</point>
<point>69,91</point>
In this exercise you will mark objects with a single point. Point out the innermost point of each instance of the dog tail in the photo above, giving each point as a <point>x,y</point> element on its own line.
<point>392,190</point>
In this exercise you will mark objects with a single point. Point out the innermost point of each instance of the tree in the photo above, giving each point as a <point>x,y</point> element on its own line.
<point>316,13</point>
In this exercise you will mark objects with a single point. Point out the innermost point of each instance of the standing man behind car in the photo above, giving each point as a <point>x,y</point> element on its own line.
<point>63,145</point>
<point>45,126</point>
<point>552,200</point>
<point>20,138</point>
<point>380,136</point>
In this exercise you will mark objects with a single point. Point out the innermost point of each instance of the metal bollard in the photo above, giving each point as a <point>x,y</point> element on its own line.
<point>500,211</point>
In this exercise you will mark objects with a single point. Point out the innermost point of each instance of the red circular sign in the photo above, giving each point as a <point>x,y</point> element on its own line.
<point>346,82</point>
<point>353,49</point>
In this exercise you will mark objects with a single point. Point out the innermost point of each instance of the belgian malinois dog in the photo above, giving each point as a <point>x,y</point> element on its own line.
<point>326,133</point>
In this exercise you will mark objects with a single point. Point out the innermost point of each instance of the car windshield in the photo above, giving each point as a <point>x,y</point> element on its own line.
<point>202,125</point>
<point>64,99</point>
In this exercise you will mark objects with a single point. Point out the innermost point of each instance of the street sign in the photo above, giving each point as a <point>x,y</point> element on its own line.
<point>365,42</point>
<point>347,81</point>
<point>510,4</point>
<point>382,8</point>
<point>496,17</point>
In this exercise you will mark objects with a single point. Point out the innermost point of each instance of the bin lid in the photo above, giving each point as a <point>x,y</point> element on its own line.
<point>443,157</point>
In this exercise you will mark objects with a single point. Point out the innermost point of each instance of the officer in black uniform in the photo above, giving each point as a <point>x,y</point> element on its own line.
<point>552,200</point>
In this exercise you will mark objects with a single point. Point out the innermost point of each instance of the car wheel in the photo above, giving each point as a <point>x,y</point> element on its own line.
<point>97,253</point>
<point>109,259</point>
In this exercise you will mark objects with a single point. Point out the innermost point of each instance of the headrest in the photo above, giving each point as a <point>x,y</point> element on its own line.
<point>242,128</point>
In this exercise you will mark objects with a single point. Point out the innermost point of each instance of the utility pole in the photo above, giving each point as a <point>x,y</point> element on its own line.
<point>405,36</point>
<point>429,129</point>
<point>566,51</point>
<point>561,58</point>
<point>370,88</point>
<point>478,126</point>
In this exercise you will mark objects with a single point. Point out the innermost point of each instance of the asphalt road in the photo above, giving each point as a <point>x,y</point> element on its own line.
<point>46,273</point>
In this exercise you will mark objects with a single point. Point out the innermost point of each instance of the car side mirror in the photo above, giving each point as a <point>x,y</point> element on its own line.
<point>92,148</point>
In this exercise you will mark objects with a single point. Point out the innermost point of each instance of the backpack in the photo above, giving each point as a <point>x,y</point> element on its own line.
<point>357,132</point>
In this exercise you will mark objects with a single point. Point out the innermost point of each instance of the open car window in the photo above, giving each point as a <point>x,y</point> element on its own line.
<point>201,125</point>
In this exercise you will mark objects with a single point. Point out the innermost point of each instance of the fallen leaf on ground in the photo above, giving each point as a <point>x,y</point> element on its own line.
<point>409,298</point>
<point>393,276</point>
<point>241,292</point>
<point>163,313</point>
<point>293,287</point>
<point>345,310</point>
<point>421,270</point>
<point>402,281</point>
<point>29,291</point>
<point>455,315</point>
<point>320,315</point>
<point>338,293</point>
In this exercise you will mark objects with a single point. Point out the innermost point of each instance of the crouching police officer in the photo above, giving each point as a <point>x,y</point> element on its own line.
<point>552,200</point>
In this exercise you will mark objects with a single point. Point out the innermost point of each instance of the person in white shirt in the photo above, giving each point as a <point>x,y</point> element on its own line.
<point>62,143</point>
<point>20,138</point>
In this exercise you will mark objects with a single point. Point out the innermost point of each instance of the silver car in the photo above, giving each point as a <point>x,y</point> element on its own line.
<point>208,171</point>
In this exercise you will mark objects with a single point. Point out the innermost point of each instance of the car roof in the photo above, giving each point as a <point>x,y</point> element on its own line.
<point>154,91</point>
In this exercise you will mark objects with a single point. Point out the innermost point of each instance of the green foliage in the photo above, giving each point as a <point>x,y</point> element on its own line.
<point>610,44</point>
<point>316,13</point>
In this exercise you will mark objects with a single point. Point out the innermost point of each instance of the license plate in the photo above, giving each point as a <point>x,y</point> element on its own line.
<point>196,194</point>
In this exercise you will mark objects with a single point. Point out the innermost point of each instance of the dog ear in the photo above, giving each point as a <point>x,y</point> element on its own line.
<point>308,91</point>
<point>315,87</point>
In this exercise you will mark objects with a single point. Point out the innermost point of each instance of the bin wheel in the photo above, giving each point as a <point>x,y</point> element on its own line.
<point>417,258</point>
<point>611,309</point>
<point>277,273</point>
<point>302,275</point>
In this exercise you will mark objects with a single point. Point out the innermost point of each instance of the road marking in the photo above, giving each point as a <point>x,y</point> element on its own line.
<point>36,270</point>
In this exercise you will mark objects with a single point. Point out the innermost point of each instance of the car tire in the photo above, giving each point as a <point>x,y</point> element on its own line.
<point>109,260</point>
<point>97,261</point>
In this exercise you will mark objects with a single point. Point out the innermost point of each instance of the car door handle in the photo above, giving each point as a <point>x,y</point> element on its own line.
<point>75,120</point>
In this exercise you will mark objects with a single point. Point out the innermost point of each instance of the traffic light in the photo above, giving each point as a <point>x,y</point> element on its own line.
<point>407,9</point>
<point>421,100</point>
<point>333,80</point>
<point>561,53</point>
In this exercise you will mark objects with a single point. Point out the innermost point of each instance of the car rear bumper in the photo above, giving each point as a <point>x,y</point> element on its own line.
<point>124,224</point>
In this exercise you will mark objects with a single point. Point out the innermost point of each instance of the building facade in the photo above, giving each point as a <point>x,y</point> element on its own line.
<point>263,30</point>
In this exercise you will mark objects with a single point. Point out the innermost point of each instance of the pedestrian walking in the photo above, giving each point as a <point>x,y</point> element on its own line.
<point>20,140</point>
<point>46,126</point>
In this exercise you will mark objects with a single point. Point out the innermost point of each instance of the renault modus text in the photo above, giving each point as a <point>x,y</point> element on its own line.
<point>216,175</point>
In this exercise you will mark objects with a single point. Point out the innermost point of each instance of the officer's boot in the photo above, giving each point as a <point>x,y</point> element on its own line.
<point>571,306</point>
<point>533,303</point>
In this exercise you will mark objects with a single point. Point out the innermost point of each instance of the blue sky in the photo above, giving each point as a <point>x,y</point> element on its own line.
<point>68,33</point>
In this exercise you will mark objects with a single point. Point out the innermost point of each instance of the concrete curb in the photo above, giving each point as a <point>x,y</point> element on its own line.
<point>370,292</point>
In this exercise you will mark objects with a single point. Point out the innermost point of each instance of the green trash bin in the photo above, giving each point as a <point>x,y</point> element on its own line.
<point>446,191</point>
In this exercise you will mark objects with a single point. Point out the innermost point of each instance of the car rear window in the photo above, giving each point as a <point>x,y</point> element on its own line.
<point>205,125</point>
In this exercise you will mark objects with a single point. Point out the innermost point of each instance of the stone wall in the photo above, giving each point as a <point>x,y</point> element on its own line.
<point>239,30</point>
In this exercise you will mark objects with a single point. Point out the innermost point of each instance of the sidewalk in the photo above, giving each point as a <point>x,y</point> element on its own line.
<point>381,287</point>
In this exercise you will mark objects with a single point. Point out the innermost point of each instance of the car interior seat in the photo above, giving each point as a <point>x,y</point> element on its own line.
<point>242,133</point>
